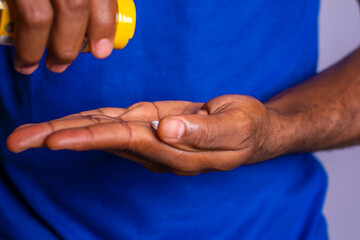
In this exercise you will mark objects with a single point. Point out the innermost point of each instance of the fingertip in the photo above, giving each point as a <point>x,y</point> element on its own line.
<point>28,70</point>
<point>57,68</point>
<point>102,48</point>
<point>171,128</point>
<point>14,144</point>
<point>26,137</point>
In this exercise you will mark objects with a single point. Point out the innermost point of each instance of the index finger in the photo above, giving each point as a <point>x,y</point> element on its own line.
<point>34,135</point>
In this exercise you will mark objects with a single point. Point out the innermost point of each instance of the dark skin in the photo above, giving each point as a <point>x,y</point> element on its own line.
<point>222,134</point>
<point>60,26</point>
<point>127,133</point>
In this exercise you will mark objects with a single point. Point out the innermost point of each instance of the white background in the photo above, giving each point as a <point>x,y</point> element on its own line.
<point>339,35</point>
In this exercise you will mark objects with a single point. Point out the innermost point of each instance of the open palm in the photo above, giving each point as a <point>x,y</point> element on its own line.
<point>191,137</point>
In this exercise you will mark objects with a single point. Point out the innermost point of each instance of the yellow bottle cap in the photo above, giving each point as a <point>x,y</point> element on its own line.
<point>125,23</point>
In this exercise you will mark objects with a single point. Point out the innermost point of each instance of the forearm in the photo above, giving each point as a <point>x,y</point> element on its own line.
<point>321,113</point>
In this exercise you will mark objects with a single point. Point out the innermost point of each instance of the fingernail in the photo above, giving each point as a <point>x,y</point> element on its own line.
<point>58,68</point>
<point>174,129</point>
<point>27,70</point>
<point>103,48</point>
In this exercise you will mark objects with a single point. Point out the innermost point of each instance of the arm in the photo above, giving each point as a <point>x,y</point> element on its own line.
<point>220,135</point>
<point>321,113</point>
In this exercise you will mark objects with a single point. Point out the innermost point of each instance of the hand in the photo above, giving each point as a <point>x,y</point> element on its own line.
<point>191,138</point>
<point>60,25</point>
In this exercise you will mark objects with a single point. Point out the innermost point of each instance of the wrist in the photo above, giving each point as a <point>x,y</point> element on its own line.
<point>279,138</point>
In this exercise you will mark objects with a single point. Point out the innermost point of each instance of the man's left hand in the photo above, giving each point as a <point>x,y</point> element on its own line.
<point>191,138</point>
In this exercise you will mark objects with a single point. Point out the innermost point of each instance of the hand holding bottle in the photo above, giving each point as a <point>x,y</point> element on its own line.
<point>62,25</point>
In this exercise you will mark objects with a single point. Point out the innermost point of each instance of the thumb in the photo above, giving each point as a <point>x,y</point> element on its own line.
<point>196,132</point>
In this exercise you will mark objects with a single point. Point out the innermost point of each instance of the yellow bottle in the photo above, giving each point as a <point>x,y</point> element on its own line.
<point>125,25</point>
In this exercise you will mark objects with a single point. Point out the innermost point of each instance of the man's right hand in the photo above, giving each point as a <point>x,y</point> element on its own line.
<point>60,26</point>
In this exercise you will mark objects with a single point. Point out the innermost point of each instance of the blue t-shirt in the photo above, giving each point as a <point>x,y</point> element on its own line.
<point>182,50</point>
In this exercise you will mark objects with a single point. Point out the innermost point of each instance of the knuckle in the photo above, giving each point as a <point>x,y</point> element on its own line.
<point>77,5</point>
<point>64,56</point>
<point>105,21</point>
<point>37,17</point>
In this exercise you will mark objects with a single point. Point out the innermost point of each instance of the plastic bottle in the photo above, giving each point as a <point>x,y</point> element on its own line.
<point>125,25</point>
